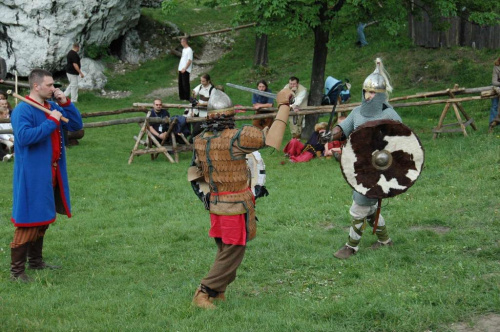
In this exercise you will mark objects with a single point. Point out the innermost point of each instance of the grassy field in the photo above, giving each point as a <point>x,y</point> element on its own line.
<point>137,245</point>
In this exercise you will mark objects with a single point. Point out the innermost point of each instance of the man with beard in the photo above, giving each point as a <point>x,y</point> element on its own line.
<point>300,101</point>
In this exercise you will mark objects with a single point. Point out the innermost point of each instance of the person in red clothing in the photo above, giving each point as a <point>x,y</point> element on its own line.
<point>219,159</point>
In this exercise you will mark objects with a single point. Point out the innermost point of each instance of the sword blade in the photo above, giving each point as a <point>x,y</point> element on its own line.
<point>256,91</point>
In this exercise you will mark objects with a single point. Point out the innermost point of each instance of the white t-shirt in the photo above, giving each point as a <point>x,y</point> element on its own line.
<point>187,54</point>
<point>204,92</point>
<point>200,90</point>
<point>6,136</point>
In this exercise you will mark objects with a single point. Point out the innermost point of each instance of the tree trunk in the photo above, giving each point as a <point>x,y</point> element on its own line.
<point>260,58</point>
<point>321,37</point>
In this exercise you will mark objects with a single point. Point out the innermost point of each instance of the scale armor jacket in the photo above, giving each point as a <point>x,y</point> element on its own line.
<point>221,157</point>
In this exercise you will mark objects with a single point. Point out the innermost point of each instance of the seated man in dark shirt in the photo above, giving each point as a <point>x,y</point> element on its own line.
<point>159,130</point>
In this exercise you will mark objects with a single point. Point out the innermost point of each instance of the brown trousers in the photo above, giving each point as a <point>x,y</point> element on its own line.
<point>262,123</point>
<point>223,271</point>
<point>23,235</point>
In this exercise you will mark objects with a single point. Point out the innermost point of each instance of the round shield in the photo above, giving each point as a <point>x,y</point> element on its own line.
<point>382,158</point>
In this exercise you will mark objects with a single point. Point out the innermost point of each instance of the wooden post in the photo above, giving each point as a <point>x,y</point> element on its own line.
<point>457,108</point>
<point>141,133</point>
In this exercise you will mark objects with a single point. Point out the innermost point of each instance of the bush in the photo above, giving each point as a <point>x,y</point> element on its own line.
<point>96,52</point>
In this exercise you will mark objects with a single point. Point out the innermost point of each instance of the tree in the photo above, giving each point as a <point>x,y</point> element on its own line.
<point>326,17</point>
<point>261,58</point>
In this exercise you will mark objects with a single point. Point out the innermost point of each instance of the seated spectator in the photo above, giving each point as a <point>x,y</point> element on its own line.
<point>4,101</point>
<point>159,130</point>
<point>334,148</point>
<point>298,152</point>
<point>6,140</point>
<point>201,94</point>
<point>259,102</point>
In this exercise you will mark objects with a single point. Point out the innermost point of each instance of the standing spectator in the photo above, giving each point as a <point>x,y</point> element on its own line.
<point>73,71</point>
<point>185,67</point>
<point>495,81</point>
<point>259,102</point>
<point>159,130</point>
<point>3,70</point>
<point>296,121</point>
<point>361,33</point>
<point>40,180</point>
<point>201,94</point>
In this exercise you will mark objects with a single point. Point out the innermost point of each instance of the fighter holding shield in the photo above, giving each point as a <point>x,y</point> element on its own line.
<point>382,158</point>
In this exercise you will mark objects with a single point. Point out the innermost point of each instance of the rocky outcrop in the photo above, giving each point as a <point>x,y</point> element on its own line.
<point>40,33</point>
<point>94,77</point>
<point>151,3</point>
<point>149,40</point>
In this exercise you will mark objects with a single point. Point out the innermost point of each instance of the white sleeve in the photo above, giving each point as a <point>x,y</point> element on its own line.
<point>300,97</point>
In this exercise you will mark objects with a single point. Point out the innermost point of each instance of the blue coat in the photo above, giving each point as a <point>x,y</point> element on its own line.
<point>35,199</point>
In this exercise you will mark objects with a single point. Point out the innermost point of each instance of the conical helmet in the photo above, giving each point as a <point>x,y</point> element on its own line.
<point>377,81</point>
<point>219,104</point>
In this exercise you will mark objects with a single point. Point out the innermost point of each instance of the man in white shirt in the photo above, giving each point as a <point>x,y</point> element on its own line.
<point>185,67</point>
<point>300,101</point>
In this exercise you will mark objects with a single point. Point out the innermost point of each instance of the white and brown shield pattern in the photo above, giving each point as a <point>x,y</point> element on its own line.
<point>382,158</point>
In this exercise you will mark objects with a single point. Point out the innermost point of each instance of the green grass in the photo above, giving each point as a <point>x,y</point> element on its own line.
<point>137,246</point>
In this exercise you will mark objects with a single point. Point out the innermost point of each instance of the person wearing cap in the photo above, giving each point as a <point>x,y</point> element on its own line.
<point>74,72</point>
<point>374,106</point>
<point>219,161</point>
<point>41,188</point>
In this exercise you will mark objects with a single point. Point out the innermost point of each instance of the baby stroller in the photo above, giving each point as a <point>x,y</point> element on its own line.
<point>335,90</point>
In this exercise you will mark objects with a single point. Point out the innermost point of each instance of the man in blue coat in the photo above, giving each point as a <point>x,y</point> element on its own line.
<point>40,184</point>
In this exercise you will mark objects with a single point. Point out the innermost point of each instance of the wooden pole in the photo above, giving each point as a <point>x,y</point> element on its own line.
<point>120,111</point>
<point>40,107</point>
<point>123,121</point>
<point>216,31</point>
<point>13,83</point>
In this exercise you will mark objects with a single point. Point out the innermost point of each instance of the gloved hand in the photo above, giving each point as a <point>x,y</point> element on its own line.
<point>284,97</point>
<point>325,137</point>
<point>193,101</point>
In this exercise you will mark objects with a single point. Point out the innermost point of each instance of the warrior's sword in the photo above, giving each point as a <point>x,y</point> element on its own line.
<point>256,91</point>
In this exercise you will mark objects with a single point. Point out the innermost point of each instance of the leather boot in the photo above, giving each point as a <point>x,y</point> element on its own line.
<point>17,265</point>
<point>379,244</point>
<point>35,259</point>
<point>345,252</point>
<point>201,300</point>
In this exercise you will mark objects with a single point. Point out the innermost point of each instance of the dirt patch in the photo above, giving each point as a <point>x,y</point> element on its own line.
<point>436,229</point>
<point>115,94</point>
<point>327,226</point>
<point>488,323</point>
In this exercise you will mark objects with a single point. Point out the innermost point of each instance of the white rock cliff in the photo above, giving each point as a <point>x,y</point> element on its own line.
<point>39,33</point>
